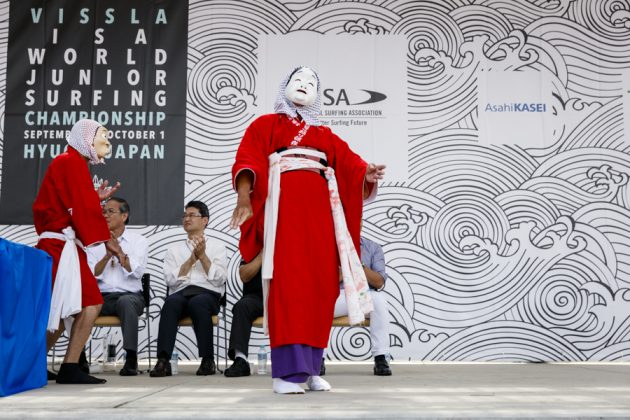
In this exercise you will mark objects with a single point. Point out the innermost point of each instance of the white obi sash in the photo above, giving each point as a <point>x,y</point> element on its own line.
<point>354,281</point>
<point>66,294</point>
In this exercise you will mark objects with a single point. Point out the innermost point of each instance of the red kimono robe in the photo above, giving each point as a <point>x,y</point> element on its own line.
<point>305,282</point>
<point>67,198</point>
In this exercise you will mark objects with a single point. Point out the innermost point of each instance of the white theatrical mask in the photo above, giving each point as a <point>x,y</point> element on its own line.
<point>302,88</point>
<point>101,142</point>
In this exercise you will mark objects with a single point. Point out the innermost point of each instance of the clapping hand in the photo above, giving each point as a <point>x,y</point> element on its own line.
<point>113,247</point>
<point>120,254</point>
<point>199,246</point>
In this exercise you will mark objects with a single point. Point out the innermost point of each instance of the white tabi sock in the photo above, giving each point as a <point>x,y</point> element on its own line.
<point>317,383</point>
<point>240,354</point>
<point>280,386</point>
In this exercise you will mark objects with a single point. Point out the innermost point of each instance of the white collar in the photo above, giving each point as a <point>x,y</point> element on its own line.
<point>123,235</point>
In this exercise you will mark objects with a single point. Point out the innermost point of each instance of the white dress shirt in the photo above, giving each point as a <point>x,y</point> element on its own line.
<point>213,280</point>
<point>115,277</point>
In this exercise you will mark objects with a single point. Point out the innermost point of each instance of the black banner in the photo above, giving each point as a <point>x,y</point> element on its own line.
<point>119,62</point>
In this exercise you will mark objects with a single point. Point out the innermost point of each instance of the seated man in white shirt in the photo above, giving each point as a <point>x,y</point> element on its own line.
<point>121,281</point>
<point>195,271</point>
<point>373,261</point>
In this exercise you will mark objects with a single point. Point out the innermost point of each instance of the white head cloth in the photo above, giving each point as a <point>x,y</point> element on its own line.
<point>309,113</point>
<point>81,138</point>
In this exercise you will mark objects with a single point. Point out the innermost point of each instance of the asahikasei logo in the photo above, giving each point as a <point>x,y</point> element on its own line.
<point>517,107</point>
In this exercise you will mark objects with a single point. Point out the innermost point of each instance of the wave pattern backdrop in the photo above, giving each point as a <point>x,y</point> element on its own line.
<point>496,252</point>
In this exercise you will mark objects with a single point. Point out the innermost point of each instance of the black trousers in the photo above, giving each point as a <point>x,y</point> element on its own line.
<point>244,312</point>
<point>200,309</point>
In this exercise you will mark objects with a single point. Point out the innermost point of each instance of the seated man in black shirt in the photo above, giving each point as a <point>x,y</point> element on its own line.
<point>245,311</point>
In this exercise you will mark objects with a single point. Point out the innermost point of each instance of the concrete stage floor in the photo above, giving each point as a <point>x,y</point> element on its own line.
<point>416,390</point>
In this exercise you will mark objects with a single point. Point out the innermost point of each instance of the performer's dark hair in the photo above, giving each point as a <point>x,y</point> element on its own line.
<point>201,206</point>
<point>303,67</point>
<point>295,71</point>
<point>124,207</point>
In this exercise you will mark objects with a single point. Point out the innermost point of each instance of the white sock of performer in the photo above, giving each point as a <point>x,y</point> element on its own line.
<point>317,383</point>
<point>240,354</point>
<point>280,386</point>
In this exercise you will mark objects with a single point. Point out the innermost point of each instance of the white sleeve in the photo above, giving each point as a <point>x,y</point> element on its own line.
<point>171,270</point>
<point>138,255</point>
<point>217,275</point>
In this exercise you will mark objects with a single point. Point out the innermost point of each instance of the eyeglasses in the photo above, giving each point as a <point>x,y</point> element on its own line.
<point>190,216</point>
<point>110,212</point>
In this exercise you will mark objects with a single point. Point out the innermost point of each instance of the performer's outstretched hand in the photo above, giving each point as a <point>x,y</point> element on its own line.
<point>242,212</point>
<point>104,191</point>
<point>374,172</point>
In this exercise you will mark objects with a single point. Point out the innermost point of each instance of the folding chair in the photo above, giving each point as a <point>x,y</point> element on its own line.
<point>114,321</point>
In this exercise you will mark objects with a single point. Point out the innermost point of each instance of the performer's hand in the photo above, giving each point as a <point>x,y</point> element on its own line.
<point>374,172</point>
<point>242,212</point>
<point>104,191</point>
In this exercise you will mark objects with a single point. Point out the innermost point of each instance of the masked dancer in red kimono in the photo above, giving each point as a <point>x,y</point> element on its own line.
<point>300,196</point>
<point>68,217</point>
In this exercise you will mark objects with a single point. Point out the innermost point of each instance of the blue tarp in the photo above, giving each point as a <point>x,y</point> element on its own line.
<point>25,287</point>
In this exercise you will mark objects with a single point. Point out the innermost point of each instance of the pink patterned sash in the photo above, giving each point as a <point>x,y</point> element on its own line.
<point>354,280</point>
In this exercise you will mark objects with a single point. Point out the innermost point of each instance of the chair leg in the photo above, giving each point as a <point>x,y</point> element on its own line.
<point>90,350</point>
<point>149,337</point>
<point>225,344</point>
<point>216,346</point>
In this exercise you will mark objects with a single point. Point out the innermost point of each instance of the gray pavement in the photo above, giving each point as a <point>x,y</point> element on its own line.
<point>416,390</point>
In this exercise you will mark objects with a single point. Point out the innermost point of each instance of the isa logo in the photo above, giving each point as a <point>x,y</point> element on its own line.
<point>364,88</point>
<point>514,107</point>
